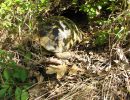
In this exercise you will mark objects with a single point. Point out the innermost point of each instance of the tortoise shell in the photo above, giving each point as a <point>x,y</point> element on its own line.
<point>58,34</point>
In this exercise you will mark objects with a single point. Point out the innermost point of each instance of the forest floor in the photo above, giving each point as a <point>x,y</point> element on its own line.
<point>105,77</point>
<point>103,74</point>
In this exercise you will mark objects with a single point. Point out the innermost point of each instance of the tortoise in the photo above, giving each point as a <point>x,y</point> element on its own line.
<point>58,35</point>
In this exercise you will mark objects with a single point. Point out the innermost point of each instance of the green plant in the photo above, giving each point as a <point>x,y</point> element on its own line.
<point>101,38</point>
<point>105,15</point>
<point>13,78</point>
<point>19,15</point>
<point>93,9</point>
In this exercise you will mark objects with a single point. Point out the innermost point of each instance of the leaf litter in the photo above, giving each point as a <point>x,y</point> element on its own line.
<point>99,75</point>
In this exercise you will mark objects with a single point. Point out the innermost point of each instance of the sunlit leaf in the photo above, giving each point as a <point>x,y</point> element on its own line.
<point>60,70</point>
<point>24,95</point>
<point>75,69</point>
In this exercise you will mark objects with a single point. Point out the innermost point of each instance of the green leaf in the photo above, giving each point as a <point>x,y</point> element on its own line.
<point>101,38</point>
<point>12,64</point>
<point>7,74</point>
<point>18,93</point>
<point>18,1</point>
<point>2,92</point>
<point>2,52</point>
<point>74,1</point>
<point>118,32</point>
<point>10,90</point>
<point>43,1</point>
<point>24,95</point>
<point>5,86</point>
<point>21,74</point>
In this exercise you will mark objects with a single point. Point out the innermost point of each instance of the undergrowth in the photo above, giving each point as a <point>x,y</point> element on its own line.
<point>13,78</point>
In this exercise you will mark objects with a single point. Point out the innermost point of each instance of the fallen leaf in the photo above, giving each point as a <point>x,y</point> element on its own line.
<point>121,55</point>
<point>74,70</point>
<point>60,70</point>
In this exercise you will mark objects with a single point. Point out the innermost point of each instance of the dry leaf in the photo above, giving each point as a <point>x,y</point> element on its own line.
<point>60,70</point>
<point>64,55</point>
<point>121,55</point>
<point>74,70</point>
<point>127,83</point>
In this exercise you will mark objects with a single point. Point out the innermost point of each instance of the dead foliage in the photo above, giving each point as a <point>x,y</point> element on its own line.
<point>102,75</point>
